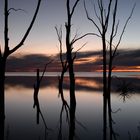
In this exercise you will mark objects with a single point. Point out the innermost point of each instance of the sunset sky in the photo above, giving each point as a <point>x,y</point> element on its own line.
<point>43,38</point>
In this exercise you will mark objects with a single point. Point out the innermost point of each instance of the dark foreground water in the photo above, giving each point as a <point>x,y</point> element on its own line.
<point>20,123</point>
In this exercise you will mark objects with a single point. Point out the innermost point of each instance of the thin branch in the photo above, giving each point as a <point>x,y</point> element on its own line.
<point>68,10</point>
<point>108,15</point>
<point>114,20</point>
<point>75,54</point>
<point>13,9</point>
<point>79,38</point>
<point>80,124</point>
<point>45,69</point>
<point>46,127</point>
<point>116,29</point>
<point>59,35</point>
<point>73,9</point>
<point>81,47</point>
<point>6,38</point>
<point>75,36</point>
<point>113,29</point>
<point>100,4</point>
<point>90,19</point>
<point>28,30</point>
<point>98,17</point>
<point>124,29</point>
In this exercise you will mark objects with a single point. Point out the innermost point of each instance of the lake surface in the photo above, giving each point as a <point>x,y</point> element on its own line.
<point>20,123</point>
<point>77,74</point>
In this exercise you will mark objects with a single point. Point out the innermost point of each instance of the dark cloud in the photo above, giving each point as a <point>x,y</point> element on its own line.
<point>128,58</point>
<point>27,62</point>
<point>123,58</point>
<point>33,61</point>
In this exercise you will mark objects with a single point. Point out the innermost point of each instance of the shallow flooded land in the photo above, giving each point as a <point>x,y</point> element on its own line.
<point>21,118</point>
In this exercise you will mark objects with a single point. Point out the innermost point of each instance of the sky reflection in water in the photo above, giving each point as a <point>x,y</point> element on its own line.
<point>21,117</point>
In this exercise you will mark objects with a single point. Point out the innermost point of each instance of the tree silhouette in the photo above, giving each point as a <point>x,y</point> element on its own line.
<point>107,26</point>
<point>7,51</point>
<point>68,63</point>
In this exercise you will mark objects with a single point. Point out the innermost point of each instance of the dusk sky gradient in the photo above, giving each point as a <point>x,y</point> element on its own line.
<point>43,38</point>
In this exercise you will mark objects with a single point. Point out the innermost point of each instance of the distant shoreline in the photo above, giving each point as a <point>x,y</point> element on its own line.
<point>77,74</point>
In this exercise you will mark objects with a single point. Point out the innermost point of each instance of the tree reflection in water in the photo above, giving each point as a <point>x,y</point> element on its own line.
<point>36,103</point>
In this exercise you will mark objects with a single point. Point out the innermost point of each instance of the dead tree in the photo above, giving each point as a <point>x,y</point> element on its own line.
<point>68,63</point>
<point>106,22</point>
<point>7,51</point>
<point>70,60</point>
<point>64,64</point>
<point>70,46</point>
<point>36,102</point>
<point>35,96</point>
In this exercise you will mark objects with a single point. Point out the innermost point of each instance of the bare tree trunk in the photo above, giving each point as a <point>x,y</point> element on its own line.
<point>72,85</point>
<point>2,81</point>
<point>70,61</point>
<point>2,128</point>
<point>104,90</point>
<point>109,95</point>
<point>7,52</point>
<point>72,122</point>
<point>104,17</point>
<point>2,98</point>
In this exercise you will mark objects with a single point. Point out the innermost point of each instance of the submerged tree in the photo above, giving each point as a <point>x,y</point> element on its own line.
<point>7,51</point>
<point>68,62</point>
<point>36,100</point>
<point>107,26</point>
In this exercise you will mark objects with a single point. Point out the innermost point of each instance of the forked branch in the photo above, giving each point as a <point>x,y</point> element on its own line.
<point>28,30</point>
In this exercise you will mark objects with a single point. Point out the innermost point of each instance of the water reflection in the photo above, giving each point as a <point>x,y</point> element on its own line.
<point>37,105</point>
<point>2,113</point>
<point>2,127</point>
<point>21,118</point>
<point>87,84</point>
<point>69,110</point>
<point>126,89</point>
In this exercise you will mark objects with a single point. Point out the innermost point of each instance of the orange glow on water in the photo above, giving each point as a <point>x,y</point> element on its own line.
<point>88,83</point>
<point>86,60</point>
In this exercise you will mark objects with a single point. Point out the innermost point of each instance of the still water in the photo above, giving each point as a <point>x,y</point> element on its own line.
<point>21,123</point>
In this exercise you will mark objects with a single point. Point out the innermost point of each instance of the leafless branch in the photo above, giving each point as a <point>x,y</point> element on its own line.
<point>128,19</point>
<point>28,30</point>
<point>81,47</point>
<point>116,29</point>
<point>59,35</point>
<point>114,21</point>
<point>68,10</point>
<point>13,9</point>
<point>108,15</point>
<point>98,17</point>
<point>100,4</point>
<point>90,19</point>
<point>75,53</point>
<point>75,36</point>
<point>73,8</point>
<point>6,37</point>
<point>113,29</point>
<point>45,69</point>
<point>87,34</point>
